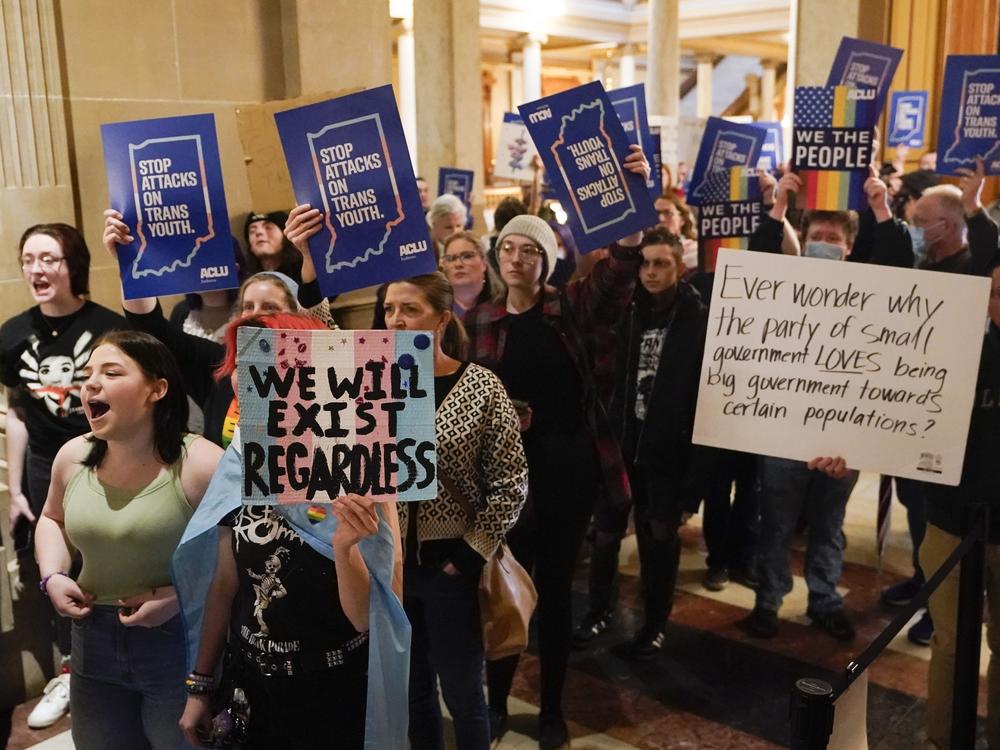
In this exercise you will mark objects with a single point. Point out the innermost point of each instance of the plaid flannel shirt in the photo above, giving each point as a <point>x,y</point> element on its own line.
<point>579,313</point>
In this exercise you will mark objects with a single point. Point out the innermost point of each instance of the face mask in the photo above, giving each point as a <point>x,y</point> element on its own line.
<point>919,244</point>
<point>824,250</point>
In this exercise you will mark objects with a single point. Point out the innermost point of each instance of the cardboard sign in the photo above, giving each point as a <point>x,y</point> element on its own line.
<point>832,142</point>
<point>165,178</point>
<point>772,153</point>
<point>724,145</point>
<point>970,114</point>
<point>907,118</point>
<point>867,67</point>
<point>583,146</point>
<point>730,212</point>
<point>630,106</point>
<point>515,150</point>
<point>808,357</point>
<point>348,157</point>
<point>326,413</point>
<point>267,173</point>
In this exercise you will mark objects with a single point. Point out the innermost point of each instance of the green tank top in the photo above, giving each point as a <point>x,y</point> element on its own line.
<point>126,537</point>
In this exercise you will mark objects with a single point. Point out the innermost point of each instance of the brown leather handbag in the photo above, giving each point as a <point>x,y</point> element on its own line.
<point>507,595</point>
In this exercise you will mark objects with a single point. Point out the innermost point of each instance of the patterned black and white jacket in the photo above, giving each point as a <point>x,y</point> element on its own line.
<point>479,448</point>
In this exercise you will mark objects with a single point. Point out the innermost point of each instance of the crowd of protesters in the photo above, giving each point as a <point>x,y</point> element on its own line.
<point>565,389</point>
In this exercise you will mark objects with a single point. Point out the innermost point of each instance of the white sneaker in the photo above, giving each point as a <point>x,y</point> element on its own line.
<point>53,704</point>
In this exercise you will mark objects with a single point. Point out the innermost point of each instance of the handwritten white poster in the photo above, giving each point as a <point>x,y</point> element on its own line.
<point>809,357</point>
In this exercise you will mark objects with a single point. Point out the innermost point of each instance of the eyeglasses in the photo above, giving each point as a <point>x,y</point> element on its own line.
<point>47,262</point>
<point>530,254</point>
<point>466,257</point>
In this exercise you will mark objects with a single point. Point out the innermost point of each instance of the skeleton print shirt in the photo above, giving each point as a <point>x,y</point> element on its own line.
<point>287,600</point>
<point>42,360</point>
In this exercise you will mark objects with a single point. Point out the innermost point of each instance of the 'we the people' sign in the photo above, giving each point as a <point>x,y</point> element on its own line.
<point>807,357</point>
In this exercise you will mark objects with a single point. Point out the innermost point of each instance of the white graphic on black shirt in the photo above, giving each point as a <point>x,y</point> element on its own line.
<point>268,587</point>
<point>56,379</point>
<point>649,358</point>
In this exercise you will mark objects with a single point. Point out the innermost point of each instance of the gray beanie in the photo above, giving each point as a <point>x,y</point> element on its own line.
<point>535,229</point>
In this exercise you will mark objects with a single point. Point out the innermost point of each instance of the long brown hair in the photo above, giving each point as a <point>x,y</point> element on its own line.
<point>439,295</point>
<point>170,413</point>
<point>494,287</point>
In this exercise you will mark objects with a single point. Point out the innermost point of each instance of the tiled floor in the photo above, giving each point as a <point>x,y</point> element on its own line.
<point>715,687</point>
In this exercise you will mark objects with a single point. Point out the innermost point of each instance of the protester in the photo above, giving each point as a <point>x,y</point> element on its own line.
<point>821,487</point>
<point>42,354</point>
<point>947,509</point>
<point>958,235</point>
<point>294,626</point>
<point>424,188</point>
<point>660,347</point>
<point>122,496</point>
<point>265,292</point>
<point>446,216</point>
<point>266,246</point>
<point>534,339</point>
<point>479,454</point>
<point>472,279</point>
<point>676,217</point>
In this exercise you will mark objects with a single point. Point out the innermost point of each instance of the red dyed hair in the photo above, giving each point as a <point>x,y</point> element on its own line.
<point>278,321</point>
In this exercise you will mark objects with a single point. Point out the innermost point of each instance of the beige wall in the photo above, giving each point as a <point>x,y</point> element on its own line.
<point>90,62</point>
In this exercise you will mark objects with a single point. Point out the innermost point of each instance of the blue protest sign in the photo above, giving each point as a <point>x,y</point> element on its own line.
<point>456,182</point>
<point>630,106</point>
<point>583,147</point>
<point>907,118</point>
<point>656,159</point>
<point>724,145</point>
<point>867,66</point>
<point>970,114</point>
<point>772,153</point>
<point>348,157</point>
<point>165,178</point>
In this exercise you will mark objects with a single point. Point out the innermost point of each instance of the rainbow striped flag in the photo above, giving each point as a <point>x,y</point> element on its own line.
<point>825,111</point>
<point>729,213</point>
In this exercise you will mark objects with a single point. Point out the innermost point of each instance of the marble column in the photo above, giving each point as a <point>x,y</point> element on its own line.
<point>703,87</point>
<point>531,66</point>
<point>407,63</point>
<point>664,59</point>
<point>449,91</point>
<point>768,82</point>
<point>626,67</point>
<point>35,175</point>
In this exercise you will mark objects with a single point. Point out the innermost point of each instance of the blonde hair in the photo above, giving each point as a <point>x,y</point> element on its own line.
<point>495,288</point>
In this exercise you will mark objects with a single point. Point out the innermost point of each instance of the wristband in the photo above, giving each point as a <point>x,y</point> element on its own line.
<point>199,684</point>
<point>43,585</point>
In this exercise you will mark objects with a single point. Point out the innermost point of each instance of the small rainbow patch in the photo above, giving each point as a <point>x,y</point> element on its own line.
<point>316,513</point>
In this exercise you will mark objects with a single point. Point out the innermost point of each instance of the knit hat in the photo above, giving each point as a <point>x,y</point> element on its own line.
<point>278,218</point>
<point>534,229</point>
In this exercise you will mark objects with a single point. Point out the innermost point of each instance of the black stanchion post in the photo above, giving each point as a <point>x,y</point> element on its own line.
<point>811,714</point>
<point>968,633</point>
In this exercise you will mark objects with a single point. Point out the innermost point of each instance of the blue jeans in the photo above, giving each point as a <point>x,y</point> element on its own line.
<point>785,487</point>
<point>127,688</point>
<point>446,643</point>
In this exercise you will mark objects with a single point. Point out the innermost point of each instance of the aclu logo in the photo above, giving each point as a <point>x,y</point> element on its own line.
<point>542,114</point>
<point>854,94</point>
<point>214,272</point>
<point>412,248</point>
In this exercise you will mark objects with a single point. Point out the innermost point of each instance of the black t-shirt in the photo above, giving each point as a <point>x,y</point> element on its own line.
<point>42,358</point>
<point>287,601</point>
